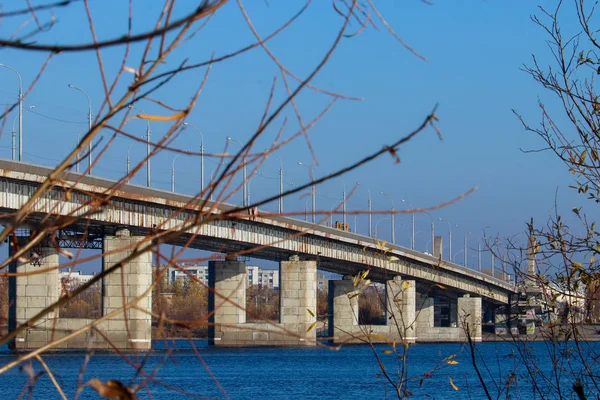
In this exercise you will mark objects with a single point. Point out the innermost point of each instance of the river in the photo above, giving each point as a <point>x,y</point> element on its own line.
<point>288,373</point>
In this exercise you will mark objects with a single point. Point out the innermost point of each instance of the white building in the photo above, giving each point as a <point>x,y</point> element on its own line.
<point>72,279</point>
<point>256,275</point>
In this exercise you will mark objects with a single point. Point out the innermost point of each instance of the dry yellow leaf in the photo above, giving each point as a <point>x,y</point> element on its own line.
<point>310,328</point>
<point>451,362</point>
<point>160,118</point>
<point>310,312</point>
<point>387,351</point>
<point>453,385</point>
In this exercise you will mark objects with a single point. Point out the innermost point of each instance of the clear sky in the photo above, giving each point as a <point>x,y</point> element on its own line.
<point>475,50</point>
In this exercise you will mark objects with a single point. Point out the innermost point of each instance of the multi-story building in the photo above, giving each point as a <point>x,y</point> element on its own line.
<point>256,275</point>
<point>72,279</point>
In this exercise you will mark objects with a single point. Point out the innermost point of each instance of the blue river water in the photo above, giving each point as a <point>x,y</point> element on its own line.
<point>290,373</point>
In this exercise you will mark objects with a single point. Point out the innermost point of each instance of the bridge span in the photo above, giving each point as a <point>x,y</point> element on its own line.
<point>128,213</point>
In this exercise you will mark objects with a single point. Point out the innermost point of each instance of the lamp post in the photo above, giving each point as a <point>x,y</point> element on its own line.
<point>147,137</point>
<point>128,158</point>
<point>89,124</point>
<point>280,186</point>
<point>13,137</point>
<point>369,203</point>
<point>449,237</point>
<point>201,154</point>
<point>250,185</point>
<point>412,237</point>
<point>457,253</point>
<point>344,204</point>
<point>14,134</point>
<point>20,110</point>
<point>376,229</point>
<point>314,188</point>
<point>465,249</point>
<point>211,177</point>
<point>479,255</point>
<point>244,187</point>
<point>173,172</point>
<point>393,217</point>
<point>331,215</point>
<point>306,211</point>
<point>432,231</point>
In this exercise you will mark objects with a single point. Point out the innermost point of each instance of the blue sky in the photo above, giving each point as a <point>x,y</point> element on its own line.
<point>475,50</point>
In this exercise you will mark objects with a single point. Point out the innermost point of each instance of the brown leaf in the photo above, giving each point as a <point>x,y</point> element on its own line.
<point>112,389</point>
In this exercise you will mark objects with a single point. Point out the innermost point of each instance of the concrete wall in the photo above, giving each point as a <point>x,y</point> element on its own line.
<point>468,313</point>
<point>344,326</point>
<point>125,331</point>
<point>34,293</point>
<point>298,294</point>
<point>132,329</point>
<point>470,316</point>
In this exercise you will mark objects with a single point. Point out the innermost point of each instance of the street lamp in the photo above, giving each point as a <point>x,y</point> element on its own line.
<point>147,137</point>
<point>244,188</point>
<point>250,184</point>
<point>173,172</point>
<point>201,154</point>
<point>465,249</point>
<point>89,124</point>
<point>344,204</point>
<point>412,237</point>
<point>370,210</point>
<point>211,177</point>
<point>376,229</point>
<point>314,188</point>
<point>14,133</point>
<point>457,253</point>
<point>128,158</point>
<point>20,110</point>
<point>331,214</point>
<point>393,217</point>
<point>432,231</point>
<point>280,186</point>
<point>449,237</point>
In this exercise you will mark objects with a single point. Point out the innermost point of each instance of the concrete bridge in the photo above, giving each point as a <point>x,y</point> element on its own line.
<point>128,213</point>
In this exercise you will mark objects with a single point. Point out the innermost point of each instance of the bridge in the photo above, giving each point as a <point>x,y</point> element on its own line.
<point>127,214</point>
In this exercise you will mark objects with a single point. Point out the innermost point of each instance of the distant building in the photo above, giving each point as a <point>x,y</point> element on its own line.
<point>72,279</point>
<point>256,276</point>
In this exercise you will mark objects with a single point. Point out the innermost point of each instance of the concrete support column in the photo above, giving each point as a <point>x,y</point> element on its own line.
<point>469,316</point>
<point>132,329</point>
<point>227,303</point>
<point>33,294</point>
<point>298,295</point>
<point>401,306</point>
<point>343,308</point>
<point>425,316</point>
<point>437,246</point>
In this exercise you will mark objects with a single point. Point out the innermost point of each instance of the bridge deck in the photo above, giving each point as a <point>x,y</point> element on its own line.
<point>272,237</point>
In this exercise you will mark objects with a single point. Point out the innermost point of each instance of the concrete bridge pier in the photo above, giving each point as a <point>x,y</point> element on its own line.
<point>34,293</point>
<point>466,313</point>
<point>344,324</point>
<point>126,330</point>
<point>227,303</point>
<point>133,328</point>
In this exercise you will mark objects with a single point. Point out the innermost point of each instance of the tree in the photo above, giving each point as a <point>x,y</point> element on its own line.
<point>156,51</point>
<point>567,247</point>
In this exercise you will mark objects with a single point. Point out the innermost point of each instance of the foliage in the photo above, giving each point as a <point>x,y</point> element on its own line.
<point>86,304</point>
<point>156,50</point>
